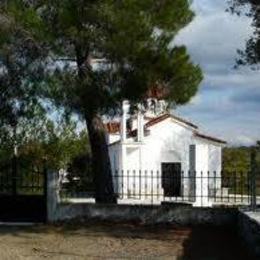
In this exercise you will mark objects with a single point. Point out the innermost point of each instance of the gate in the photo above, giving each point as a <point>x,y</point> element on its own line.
<point>22,192</point>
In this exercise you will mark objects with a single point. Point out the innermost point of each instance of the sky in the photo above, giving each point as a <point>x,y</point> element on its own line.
<point>228,102</point>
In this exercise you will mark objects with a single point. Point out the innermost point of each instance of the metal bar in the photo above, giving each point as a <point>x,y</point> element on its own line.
<point>123,184</point>
<point>14,175</point>
<point>127,192</point>
<point>134,187</point>
<point>158,185</point>
<point>145,184</point>
<point>201,188</point>
<point>215,186</point>
<point>152,186</point>
<point>208,184</point>
<point>253,179</point>
<point>140,184</point>
<point>241,187</point>
<point>182,185</point>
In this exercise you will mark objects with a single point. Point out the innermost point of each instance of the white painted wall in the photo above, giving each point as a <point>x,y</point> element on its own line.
<point>112,138</point>
<point>215,166</point>
<point>202,168</point>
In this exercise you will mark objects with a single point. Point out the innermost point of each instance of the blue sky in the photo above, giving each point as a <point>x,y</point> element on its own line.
<point>228,102</point>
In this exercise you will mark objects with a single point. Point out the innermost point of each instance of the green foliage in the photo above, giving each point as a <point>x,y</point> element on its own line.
<point>237,169</point>
<point>80,176</point>
<point>21,105</point>
<point>251,54</point>
<point>58,150</point>
<point>238,159</point>
<point>132,41</point>
<point>49,143</point>
<point>131,37</point>
<point>24,120</point>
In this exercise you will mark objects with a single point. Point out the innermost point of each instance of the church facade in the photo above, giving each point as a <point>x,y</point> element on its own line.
<point>156,154</point>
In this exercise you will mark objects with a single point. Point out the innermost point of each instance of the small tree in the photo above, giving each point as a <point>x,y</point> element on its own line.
<point>131,39</point>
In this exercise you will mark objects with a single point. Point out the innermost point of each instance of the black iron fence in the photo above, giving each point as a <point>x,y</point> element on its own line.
<point>21,178</point>
<point>167,186</point>
<point>23,191</point>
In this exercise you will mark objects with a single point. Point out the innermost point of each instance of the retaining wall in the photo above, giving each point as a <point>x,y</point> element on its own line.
<point>181,215</point>
<point>249,230</point>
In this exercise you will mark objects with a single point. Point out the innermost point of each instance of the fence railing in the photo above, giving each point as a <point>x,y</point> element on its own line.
<point>158,187</point>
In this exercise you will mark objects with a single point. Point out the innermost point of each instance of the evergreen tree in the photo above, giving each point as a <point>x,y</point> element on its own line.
<point>101,52</point>
<point>251,54</point>
<point>20,106</point>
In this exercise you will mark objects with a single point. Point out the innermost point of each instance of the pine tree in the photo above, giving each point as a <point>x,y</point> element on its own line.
<point>101,52</point>
<point>251,8</point>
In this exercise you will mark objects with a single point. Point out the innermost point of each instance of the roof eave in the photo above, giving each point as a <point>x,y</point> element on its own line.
<point>211,139</point>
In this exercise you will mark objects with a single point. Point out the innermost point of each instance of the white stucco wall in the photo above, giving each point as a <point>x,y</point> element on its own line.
<point>112,138</point>
<point>215,167</point>
<point>167,142</point>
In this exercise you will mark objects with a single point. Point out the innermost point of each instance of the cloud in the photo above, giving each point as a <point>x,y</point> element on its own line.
<point>246,97</point>
<point>228,103</point>
<point>242,140</point>
<point>243,79</point>
<point>213,39</point>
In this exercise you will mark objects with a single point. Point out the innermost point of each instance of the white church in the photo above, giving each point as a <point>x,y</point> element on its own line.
<point>156,155</point>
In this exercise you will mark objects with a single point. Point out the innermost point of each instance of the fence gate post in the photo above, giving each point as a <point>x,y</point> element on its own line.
<point>253,178</point>
<point>52,195</point>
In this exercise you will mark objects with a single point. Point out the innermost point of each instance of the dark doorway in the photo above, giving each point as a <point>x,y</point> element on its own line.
<point>171,179</point>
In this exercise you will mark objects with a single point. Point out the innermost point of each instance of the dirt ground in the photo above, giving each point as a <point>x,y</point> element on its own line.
<point>119,241</point>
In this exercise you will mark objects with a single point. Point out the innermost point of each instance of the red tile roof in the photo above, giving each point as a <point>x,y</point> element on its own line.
<point>158,92</point>
<point>112,127</point>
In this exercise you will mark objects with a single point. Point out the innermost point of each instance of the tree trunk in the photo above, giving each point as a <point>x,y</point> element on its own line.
<point>100,160</point>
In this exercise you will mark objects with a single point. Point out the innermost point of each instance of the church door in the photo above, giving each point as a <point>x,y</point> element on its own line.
<point>171,179</point>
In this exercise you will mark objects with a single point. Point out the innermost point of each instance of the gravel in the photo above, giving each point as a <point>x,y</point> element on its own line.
<point>118,241</point>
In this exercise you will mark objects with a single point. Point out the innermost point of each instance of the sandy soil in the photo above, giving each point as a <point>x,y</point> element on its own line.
<point>118,241</point>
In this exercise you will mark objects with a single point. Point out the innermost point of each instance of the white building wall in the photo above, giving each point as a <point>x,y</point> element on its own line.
<point>115,154</point>
<point>215,167</point>
<point>202,168</point>
<point>112,138</point>
<point>167,143</point>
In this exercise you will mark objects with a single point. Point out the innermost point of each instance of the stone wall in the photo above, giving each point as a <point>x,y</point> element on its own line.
<point>181,215</point>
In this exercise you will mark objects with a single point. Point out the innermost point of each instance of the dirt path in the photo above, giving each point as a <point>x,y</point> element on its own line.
<point>109,241</point>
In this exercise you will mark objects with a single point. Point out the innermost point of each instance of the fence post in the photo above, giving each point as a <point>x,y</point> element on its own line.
<point>253,178</point>
<point>52,195</point>
<point>14,174</point>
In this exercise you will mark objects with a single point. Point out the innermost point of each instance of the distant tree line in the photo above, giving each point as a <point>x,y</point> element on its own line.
<point>238,159</point>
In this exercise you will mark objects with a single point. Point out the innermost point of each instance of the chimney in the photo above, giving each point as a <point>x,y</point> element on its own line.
<point>125,110</point>
<point>140,124</point>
